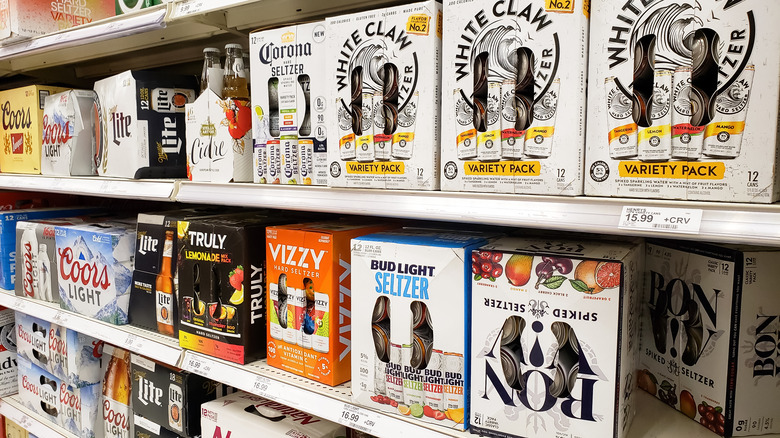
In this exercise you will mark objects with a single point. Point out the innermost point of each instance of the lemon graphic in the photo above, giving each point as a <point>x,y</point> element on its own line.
<point>259,112</point>
<point>201,308</point>
<point>237,297</point>
<point>181,229</point>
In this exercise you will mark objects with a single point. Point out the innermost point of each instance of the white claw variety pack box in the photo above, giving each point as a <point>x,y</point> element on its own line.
<point>554,338</point>
<point>683,100</point>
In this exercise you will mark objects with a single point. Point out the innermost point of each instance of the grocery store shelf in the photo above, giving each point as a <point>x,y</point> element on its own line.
<point>150,190</point>
<point>13,409</point>
<point>153,345</point>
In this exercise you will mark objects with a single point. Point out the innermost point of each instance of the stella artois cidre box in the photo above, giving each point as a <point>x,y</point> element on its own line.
<point>8,222</point>
<point>710,320</point>
<point>290,104</point>
<point>94,264</point>
<point>243,415</point>
<point>554,337</point>
<point>27,18</point>
<point>384,76</point>
<point>513,96</point>
<point>68,146</point>
<point>219,141</point>
<point>683,100</point>
<point>22,116</point>
<point>8,365</point>
<point>309,298</point>
<point>411,352</point>
<point>141,118</point>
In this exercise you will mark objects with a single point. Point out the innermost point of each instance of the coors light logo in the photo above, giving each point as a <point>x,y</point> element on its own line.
<point>57,131</point>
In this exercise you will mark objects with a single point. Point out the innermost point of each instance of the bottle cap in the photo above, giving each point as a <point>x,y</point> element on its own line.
<point>233,46</point>
<point>211,50</point>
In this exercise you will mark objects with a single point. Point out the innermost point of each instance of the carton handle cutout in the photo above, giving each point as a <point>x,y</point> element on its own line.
<point>523,101</point>
<point>305,126</point>
<point>273,107</point>
<point>644,80</point>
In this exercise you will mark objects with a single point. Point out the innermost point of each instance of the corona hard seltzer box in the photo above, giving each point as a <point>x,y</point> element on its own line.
<point>710,319</point>
<point>554,339</point>
<point>383,69</point>
<point>289,104</point>
<point>513,96</point>
<point>683,100</point>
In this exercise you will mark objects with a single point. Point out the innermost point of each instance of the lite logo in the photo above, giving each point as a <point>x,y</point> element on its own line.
<point>296,256</point>
<point>120,124</point>
<point>149,392</point>
<point>147,243</point>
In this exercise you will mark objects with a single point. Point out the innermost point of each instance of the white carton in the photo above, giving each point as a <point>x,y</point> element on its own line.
<point>384,77</point>
<point>243,415</point>
<point>710,322</point>
<point>289,104</point>
<point>517,123</point>
<point>723,129</point>
<point>69,134</point>
<point>554,340</point>
<point>8,365</point>
<point>219,140</point>
<point>411,354</point>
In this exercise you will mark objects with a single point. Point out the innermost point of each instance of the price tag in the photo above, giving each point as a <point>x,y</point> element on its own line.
<point>671,220</point>
<point>358,418</point>
<point>19,304</point>
<point>264,387</point>
<point>25,422</point>
<point>198,365</point>
<point>133,342</point>
<point>60,318</point>
<point>188,8</point>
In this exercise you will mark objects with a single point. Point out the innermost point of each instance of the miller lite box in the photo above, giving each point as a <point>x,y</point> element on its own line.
<point>8,365</point>
<point>410,354</point>
<point>219,140</point>
<point>244,415</point>
<point>69,134</point>
<point>141,118</point>
<point>289,120</point>
<point>513,97</point>
<point>21,19</point>
<point>710,322</point>
<point>145,428</point>
<point>22,110</point>
<point>116,395</point>
<point>554,337</point>
<point>672,112</point>
<point>222,285</point>
<point>8,222</point>
<point>309,298</point>
<point>168,396</point>
<point>384,76</point>
<point>94,264</point>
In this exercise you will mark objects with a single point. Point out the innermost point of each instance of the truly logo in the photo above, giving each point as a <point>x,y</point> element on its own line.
<point>257,282</point>
<point>296,256</point>
<point>207,240</point>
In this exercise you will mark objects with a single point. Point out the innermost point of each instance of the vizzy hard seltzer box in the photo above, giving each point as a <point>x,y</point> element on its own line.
<point>710,320</point>
<point>414,359</point>
<point>554,337</point>
<point>22,116</point>
<point>27,18</point>
<point>384,76</point>
<point>141,118</point>
<point>289,104</point>
<point>68,142</point>
<point>683,100</point>
<point>309,309</point>
<point>513,96</point>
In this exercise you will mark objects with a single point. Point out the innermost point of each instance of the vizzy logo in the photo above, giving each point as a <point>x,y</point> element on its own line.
<point>286,254</point>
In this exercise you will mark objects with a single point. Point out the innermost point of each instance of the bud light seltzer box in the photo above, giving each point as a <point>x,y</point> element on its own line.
<point>169,396</point>
<point>8,365</point>
<point>513,96</point>
<point>22,114</point>
<point>309,298</point>
<point>219,140</point>
<point>244,415</point>
<point>69,134</point>
<point>683,100</point>
<point>710,323</point>
<point>384,76</point>
<point>290,104</point>
<point>222,285</point>
<point>94,264</point>
<point>410,352</point>
<point>8,222</point>
<point>141,117</point>
<point>554,337</point>
<point>27,18</point>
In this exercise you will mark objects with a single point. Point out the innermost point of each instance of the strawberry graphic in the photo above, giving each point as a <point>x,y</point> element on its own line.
<point>236,277</point>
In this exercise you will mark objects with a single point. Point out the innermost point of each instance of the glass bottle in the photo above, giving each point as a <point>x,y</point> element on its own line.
<point>211,77</point>
<point>234,84</point>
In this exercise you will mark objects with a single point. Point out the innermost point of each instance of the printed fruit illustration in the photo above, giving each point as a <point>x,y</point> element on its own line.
<point>687,404</point>
<point>201,308</point>
<point>712,418</point>
<point>456,415</point>
<point>646,380</point>
<point>518,269</point>
<point>237,297</point>
<point>230,312</point>
<point>404,410</point>
<point>236,277</point>
<point>586,274</point>
<point>608,275</point>
<point>486,264</point>
<point>667,393</point>
<point>428,411</point>
<point>439,415</point>
<point>417,410</point>
<point>548,267</point>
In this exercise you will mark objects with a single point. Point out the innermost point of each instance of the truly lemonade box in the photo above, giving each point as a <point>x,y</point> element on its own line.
<point>309,298</point>
<point>384,75</point>
<point>22,127</point>
<point>28,18</point>
<point>554,337</point>
<point>513,96</point>
<point>710,319</point>
<point>683,100</point>
<point>414,359</point>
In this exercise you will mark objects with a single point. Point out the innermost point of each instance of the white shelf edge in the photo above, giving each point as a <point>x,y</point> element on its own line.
<point>152,190</point>
<point>13,409</point>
